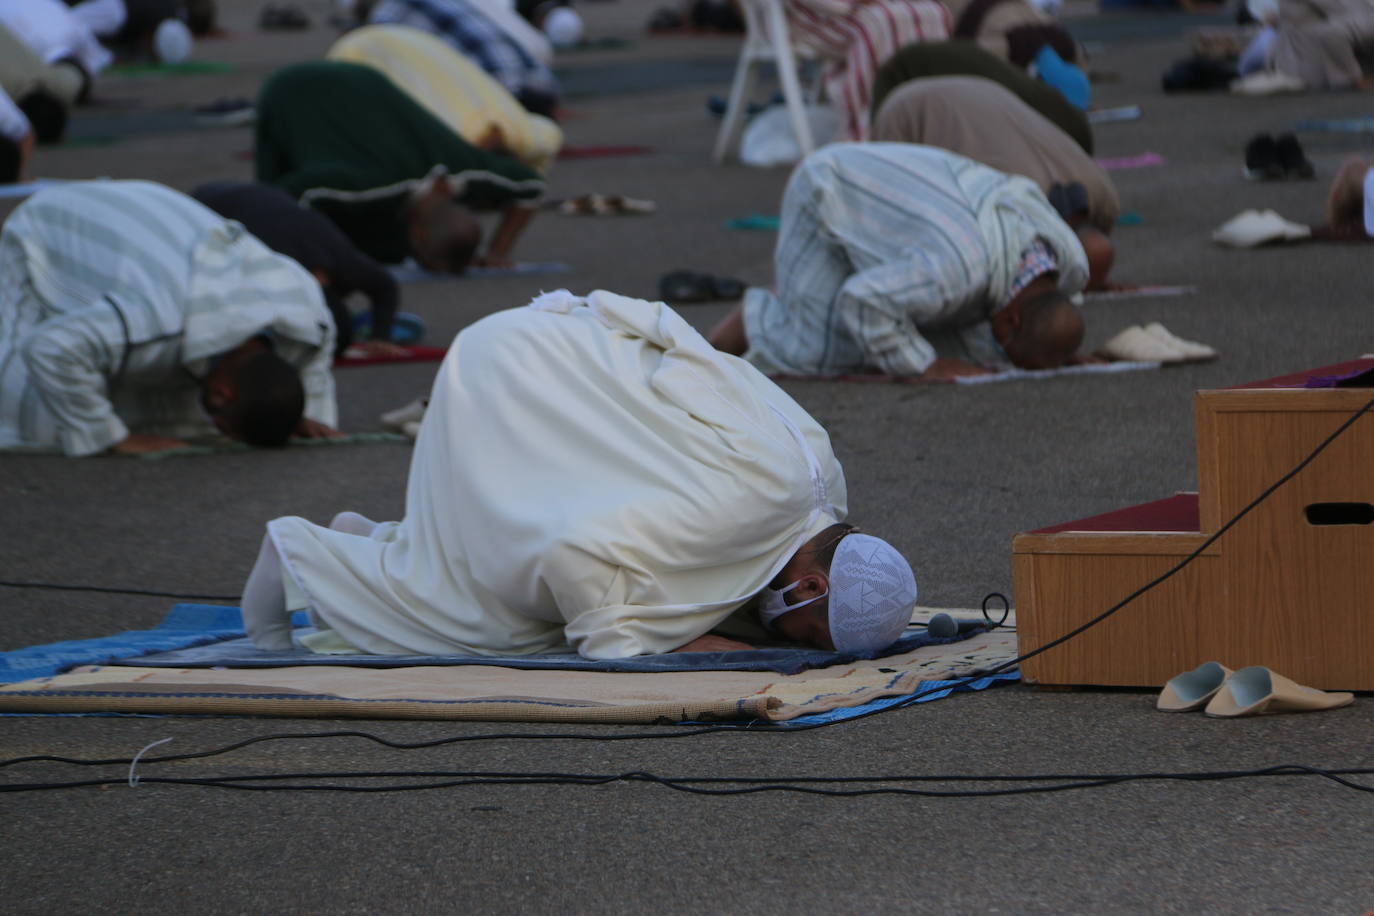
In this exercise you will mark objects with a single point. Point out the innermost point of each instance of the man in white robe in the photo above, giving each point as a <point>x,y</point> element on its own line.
<point>132,316</point>
<point>591,472</point>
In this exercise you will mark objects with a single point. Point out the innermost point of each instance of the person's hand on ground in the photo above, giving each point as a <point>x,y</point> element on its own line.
<point>313,429</point>
<point>1088,359</point>
<point>144,444</point>
<point>944,370</point>
<point>712,643</point>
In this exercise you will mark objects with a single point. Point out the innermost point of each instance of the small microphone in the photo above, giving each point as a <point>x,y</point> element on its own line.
<point>943,626</point>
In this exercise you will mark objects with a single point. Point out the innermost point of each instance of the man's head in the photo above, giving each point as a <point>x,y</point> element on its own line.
<point>443,234</point>
<point>11,160</point>
<point>254,396</point>
<point>46,113</point>
<point>1101,253</point>
<point>1039,331</point>
<point>200,16</point>
<point>848,592</point>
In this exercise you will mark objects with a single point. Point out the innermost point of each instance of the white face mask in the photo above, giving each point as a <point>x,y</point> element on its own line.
<point>773,602</point>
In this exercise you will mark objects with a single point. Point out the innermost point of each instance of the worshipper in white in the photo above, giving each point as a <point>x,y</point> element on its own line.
<point>55,33</point>
<point>592,473</point>
<point>132,316</point>
<point>913,261</point>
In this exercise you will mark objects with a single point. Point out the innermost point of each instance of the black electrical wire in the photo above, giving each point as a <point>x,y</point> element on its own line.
<point>1082,782</point>
<point>117,591</point>
<point>832,786</point>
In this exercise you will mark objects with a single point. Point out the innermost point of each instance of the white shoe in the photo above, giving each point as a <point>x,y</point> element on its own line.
<point>1136,345</point>
<point>1191,349</point>
<point>1255,227</point>
<point>411,429</point>
<point>413,412</point>
<point>1267,82</point>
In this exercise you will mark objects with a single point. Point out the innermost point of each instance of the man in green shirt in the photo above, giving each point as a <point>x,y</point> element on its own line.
<point>398,181</point>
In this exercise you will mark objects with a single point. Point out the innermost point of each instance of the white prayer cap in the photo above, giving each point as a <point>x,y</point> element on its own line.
<point>563,26</point>
<point>872,594</point>
<point>172,41</point>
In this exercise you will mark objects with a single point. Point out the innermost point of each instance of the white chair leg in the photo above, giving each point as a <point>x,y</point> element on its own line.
<point>776,24</point>
<point>737,110</point>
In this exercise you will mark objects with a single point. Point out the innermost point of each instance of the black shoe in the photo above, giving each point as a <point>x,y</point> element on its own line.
<point>1291,158</point>
<point>1262,159</point>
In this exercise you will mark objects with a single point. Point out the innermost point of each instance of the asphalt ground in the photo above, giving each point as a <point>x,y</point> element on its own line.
<point>949,474</point>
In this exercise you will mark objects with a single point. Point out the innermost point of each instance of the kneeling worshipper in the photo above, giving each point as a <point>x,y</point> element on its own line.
<point>132,317</point>
<point>982,120</point>
<point>854,37</point>
<point>44,92</point>
<point>398,181</point>
<point>913,261</point>
<point>1317,44</point>
<point>317,245</point>
<point>966,58</point>
<point>55,33</point>
<point>491,35</point>
<point>592,473</point>
<point>457,91</point>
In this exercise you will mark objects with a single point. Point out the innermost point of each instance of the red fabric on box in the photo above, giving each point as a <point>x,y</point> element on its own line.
<point>1176,513</point>
<point>1299,379</point>
<point>412,355</point>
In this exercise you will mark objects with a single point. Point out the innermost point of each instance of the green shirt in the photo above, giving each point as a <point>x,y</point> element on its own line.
<point>353,145</point>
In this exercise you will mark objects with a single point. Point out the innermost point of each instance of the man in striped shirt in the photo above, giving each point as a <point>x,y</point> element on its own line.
<point>912,261</point>
<point>132,316</point>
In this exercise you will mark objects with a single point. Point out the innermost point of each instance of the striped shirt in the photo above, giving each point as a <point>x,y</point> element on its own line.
<point>886,247</point>
<point>473,33</point>
<point>118,296</point>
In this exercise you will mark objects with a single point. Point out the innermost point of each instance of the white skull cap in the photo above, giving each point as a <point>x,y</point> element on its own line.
<point>172,41</point>
<point>872,595</point>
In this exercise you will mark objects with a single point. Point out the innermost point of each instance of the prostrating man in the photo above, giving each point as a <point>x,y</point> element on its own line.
<point>455,90</point>
<point>966,58</point>
<point>590,472</point>
<point>1318,44</point>
<point>883,245</point>
<point>44,92</point>
<point>317,245</point>
<point>984,121</point>
<point>472,31</point>
<point>398,181</point>
<point>131,317</point>
<point>54,33</point>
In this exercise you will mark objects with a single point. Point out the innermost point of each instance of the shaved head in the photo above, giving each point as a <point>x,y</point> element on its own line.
<point>1049,333</point>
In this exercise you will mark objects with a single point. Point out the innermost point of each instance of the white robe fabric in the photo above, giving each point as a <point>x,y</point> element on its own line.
<point>589,470</point>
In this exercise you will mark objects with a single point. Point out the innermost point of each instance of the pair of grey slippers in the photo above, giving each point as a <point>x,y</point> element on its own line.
<point>1222,693</point>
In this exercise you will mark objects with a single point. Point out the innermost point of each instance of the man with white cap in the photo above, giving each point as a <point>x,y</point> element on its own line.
<point>592,473</point>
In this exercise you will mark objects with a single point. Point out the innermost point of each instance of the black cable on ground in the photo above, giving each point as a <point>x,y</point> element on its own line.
<point>831,786</point>
<point>1087,781</point>
<point>117,591</point>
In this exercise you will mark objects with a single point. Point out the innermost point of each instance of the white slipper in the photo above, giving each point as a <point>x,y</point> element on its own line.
<point>1267,82</point>
<point>1256,227</point>
<point>411,413</point>
<point>1191,349</point>
<point>1192,689</point>
<point>411,428</point>
<point>1136,345</point>
<point>1256,690</point>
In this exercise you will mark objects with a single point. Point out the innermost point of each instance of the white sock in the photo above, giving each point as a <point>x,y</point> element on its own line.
<point>265,616</point>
